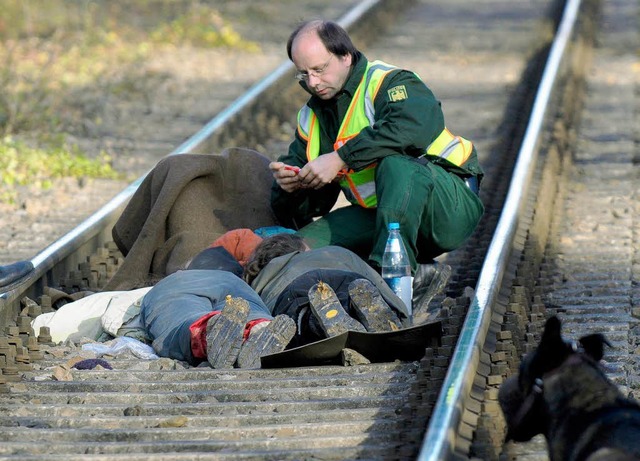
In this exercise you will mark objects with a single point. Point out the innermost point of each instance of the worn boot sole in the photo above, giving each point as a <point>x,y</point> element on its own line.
<point>224,333</point>
<point>431,280</point>
<point>271,339</point>
<point>372,310</point>
<point>332,317</point>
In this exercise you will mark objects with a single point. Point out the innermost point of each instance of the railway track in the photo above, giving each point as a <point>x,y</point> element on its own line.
<point>487,79</point>
<point>588,274</point>
<point>575,242</point>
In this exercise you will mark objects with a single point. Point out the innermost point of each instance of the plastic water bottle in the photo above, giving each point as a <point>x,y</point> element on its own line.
<point>396,269</point>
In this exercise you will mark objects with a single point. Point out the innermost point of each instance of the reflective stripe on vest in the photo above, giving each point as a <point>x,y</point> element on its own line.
<point>359,186</point>
<point>454,149</point>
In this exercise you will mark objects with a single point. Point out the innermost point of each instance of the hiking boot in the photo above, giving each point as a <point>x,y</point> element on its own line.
<point>331,315</point>
<point>224,333</point>
<point>268,339</point>
<point>371,308</point>
<point>430,280</point>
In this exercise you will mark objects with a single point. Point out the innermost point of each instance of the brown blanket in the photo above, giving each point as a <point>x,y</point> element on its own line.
<point>183,205</point>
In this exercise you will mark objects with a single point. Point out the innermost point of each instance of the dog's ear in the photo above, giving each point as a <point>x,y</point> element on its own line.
<point>551,347</point>
<point>552,331</point>
<point>593,345</point>
<point>549,354</point>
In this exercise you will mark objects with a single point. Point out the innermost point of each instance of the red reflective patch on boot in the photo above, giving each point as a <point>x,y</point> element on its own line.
<point>250,324</point>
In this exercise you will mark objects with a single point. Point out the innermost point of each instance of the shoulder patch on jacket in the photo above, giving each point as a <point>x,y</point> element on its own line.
<point>397,93</point>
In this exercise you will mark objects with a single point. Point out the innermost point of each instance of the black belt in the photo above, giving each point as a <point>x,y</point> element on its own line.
<point>472,183</point>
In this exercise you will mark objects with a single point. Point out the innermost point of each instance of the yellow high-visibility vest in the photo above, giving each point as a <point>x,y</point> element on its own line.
<point>359,186</point>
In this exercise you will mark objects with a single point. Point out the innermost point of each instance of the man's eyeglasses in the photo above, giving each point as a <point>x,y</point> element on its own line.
<point>304,75</point>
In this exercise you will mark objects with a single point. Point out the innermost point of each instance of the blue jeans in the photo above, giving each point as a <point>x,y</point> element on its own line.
<point>178,300</point>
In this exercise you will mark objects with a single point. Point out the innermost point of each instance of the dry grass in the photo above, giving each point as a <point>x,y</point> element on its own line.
<point>63,59</point>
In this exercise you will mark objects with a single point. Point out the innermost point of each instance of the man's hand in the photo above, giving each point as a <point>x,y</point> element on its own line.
<point>286,176</point>
<point>321,170</point>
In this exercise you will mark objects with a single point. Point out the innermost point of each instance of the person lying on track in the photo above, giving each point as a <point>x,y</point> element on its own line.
<point>213,315</point>
<point>327,290</point>
<point>210,314</point>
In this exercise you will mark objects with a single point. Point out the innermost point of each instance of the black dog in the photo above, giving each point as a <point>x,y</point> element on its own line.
<point>561,392</point>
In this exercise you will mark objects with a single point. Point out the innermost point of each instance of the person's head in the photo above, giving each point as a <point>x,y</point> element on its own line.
<point>323,53</point>
<point>269,248</point>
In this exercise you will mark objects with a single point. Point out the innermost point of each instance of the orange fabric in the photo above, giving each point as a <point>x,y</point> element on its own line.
<point>239,242</point>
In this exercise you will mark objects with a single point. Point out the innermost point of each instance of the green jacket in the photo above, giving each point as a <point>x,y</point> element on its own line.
<point>405,126</point>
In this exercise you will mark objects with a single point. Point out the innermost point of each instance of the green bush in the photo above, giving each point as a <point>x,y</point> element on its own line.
<point>22,165</point>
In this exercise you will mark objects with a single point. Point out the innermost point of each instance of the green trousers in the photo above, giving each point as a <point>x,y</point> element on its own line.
<point>437,212</point>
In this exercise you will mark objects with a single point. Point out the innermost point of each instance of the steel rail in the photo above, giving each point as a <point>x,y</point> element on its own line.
<point>439,441</point>
<point>96,226</point>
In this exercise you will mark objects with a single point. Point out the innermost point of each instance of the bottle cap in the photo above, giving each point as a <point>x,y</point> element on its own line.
<point>394,225</point>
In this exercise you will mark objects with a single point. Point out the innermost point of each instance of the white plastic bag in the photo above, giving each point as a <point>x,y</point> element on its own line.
<point>121,344</point>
